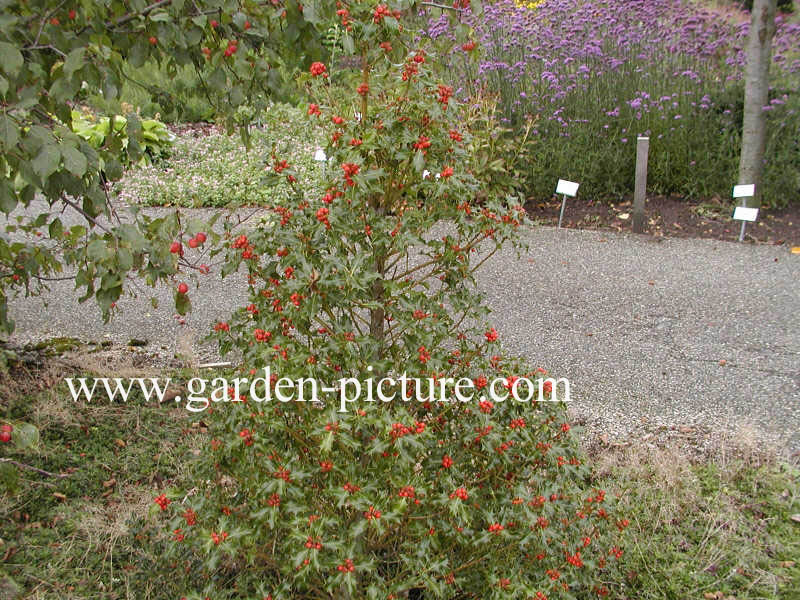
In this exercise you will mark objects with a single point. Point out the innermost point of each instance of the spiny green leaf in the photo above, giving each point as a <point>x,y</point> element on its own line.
<point>25,436</point>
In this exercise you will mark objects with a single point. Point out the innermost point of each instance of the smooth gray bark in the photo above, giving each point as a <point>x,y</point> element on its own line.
<point>756,94</point>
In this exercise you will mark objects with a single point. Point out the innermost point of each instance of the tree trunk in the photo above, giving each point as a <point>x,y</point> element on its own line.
<point>756,95</point>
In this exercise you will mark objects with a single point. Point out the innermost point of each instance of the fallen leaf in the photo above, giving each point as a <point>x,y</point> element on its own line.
<point>110,483</point>
<point>623,216</point>
<point>795,249</point>
<point>120,443</point>
<point>795,518</point>
<point>788,564</point>
<point>171,394</point>
<point>59,496</point>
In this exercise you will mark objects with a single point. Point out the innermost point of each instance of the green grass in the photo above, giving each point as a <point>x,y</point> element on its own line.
<point>212,169</point>
<point>88,534</point>
<point>717,528</point>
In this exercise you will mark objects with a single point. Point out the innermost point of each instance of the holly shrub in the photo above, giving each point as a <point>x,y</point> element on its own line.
<point>374,278</point>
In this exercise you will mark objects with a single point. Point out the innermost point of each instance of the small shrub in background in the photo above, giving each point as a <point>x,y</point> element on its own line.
<point>209,168</point>
<point>155,143</point>
<point>595,75</point>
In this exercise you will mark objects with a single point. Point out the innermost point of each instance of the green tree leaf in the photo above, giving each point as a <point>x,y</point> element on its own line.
<point>8,200</point>
<point>10,58</point>
<point>74,160</point>
<point>9,132</point>
<point>74,61</point>
<point>46,162</point>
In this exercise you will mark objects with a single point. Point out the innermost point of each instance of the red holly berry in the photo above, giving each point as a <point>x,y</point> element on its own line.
<point>317,69</point>
<point>72,14</point>
<point>176,248</point>
<point>183,288</point>
<point>214,24</point>
<point>54,21</point>
<point>193,243</point>
<point>422,143</point>
<point>322,216</point>
<point>201,237</point>
<point>381,11</point>
<point>5,437</point>
<point>447,462</point>
<point>247,25</point>
<point>460,493</point>
<point>153,40</point>
<point>468,47</point>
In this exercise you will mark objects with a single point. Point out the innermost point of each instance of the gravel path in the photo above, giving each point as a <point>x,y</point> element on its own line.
<point>649,331</point>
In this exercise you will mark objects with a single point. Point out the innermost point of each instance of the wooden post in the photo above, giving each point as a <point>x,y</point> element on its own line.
<point>640,186</point>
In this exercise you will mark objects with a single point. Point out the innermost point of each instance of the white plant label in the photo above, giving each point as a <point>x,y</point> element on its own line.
<point>744,213</point>
<point>568,188</point>
<point>319,155</point>
<point>747,190</point>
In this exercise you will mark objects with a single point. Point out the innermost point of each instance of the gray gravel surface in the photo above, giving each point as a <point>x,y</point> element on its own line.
<point>649,331</point>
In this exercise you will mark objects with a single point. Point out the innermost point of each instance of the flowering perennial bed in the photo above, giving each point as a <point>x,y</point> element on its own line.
<point>592,75</point>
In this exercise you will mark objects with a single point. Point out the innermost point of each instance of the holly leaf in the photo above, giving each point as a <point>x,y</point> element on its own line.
<point>419,161</point>
<point>182,303</point>
<point>25,436</point>
<point>310,13</point>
